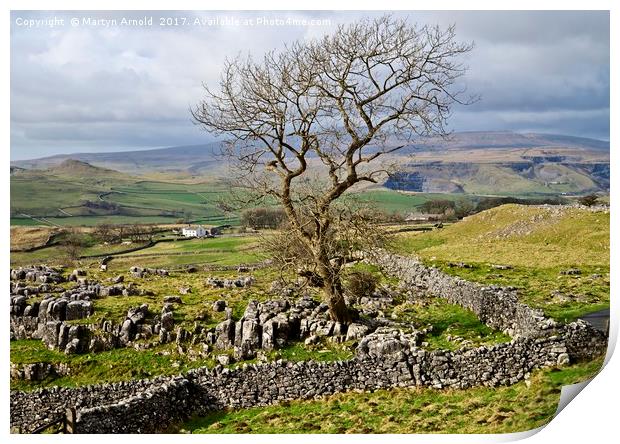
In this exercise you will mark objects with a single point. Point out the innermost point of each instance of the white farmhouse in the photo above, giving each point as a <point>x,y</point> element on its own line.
<point>197,231</point>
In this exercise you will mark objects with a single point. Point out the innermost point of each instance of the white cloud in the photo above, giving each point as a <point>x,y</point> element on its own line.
<point>97,88</point>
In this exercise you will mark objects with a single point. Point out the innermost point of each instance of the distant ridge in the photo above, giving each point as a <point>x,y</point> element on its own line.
<point>177,158</point>
<point>509,139</point>
<point>198,159</point>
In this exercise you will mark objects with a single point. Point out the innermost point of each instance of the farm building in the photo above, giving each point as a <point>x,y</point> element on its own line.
<point>419,217</point>
<point>194,231</point>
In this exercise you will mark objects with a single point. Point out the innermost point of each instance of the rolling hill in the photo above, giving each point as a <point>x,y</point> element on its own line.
<point>529,248</point>
<point>75,192</point>
<point>166,183</point>
<point>178,159</point>
<point>476,146</point>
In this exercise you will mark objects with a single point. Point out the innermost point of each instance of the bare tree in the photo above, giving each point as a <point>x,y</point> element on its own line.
<point>106,233</point>
<point>307,124</point>
<point>352,229</point>
<point>73,243</point>
<point>140,233</point>
<point>589,200</point>
<point>263,217</point>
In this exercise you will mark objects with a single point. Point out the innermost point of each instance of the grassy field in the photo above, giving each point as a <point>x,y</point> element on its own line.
<point>539,243</point>
<point>220,251</point>
<point>398,202</point>
<point>59,195</point>
<point>55,197</point>
<point>198,198</point>
<point>28,237</point>
<point>520,407</point>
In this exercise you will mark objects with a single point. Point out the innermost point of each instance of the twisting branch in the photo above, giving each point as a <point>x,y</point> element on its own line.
<point>307,124</point>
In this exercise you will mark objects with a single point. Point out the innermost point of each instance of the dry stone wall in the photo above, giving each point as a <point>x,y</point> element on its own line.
<point>152,405</point>
<point>498,307</point>
<point>151,410</point>
<point>384,359</point>
<point>30,410</point>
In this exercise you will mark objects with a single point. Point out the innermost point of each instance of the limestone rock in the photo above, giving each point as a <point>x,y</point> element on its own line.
<point>127,332</point>
<point>225,334</point>
<point>78,310</point>
<point>563,359</point>
<point>357,331</point>
<point>138,314</point>
<point>167,321</point>
<point>173,300</point>
<point>219,305</point>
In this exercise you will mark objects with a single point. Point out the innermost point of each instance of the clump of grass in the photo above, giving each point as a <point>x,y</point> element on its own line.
<point>326,351</point>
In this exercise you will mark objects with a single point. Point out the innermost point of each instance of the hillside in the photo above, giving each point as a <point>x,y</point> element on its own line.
<point>477,147</point>
<point>520,235</point>
<point>558,257</point>
<point>75,193</point>
<point>180,159</point>
<point>79,169</point>
<point>508,139</point>
<point>521,177</point>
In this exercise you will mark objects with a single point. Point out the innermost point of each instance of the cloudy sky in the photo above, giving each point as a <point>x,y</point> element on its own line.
<point>80,83</point>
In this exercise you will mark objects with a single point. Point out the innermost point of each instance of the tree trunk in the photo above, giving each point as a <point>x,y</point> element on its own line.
<point>332,286</point>
<point>338,309</point>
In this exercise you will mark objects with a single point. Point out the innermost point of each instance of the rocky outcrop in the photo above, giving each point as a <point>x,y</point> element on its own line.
<point>140,272</point>
<point>43,320</point>
<point>274,323</point>
<point>388,343</point>
<point>219,305</point>
<point>76,275</point>
<point>240,282</point>
<point>38,273</point>
<point>38,371</point>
